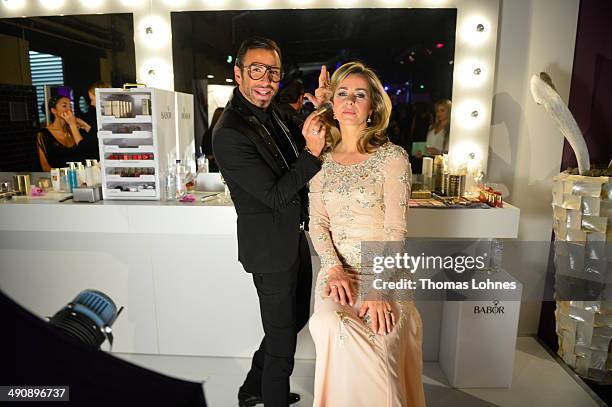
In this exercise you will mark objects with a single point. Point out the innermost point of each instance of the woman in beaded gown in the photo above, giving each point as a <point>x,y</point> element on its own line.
<point>368,351</point>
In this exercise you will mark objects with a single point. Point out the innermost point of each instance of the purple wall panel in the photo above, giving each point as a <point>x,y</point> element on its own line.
<point>591,88</point>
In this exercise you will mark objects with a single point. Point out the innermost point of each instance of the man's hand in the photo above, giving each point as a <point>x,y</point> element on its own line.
<point>314,133</point>
<point>323,92</point>
<point>339,286</point>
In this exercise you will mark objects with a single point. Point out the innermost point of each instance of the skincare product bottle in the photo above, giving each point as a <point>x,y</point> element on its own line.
<point>97,178</point>
<point>80,174</point>
<point>438,173</point>
<point>203,165</point>
<point>427,173</point>
<point>170,183</point>
<point>180,179</point>
<point>64,182</point>
<point>72,176</point>
<point>55,179</point>
<point>89,174</point>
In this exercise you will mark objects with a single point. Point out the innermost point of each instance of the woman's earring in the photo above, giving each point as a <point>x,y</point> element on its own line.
<point>334,116</point>
<point>369,119</point>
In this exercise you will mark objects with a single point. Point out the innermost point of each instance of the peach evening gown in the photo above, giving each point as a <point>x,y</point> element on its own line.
<point>354,366</point>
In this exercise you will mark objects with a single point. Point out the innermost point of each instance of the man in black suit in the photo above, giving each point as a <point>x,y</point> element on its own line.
<point>267,164</point>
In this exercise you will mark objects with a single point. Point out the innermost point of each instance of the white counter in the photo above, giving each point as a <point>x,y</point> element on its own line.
<point>174,267</point>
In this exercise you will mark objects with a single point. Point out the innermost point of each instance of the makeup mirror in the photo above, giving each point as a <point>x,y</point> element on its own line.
<point>59,55</point>
<point>412,50</point>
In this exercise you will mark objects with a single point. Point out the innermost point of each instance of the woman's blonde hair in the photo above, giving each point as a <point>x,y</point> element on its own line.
<point>448,106</point>
<point>374,135</point>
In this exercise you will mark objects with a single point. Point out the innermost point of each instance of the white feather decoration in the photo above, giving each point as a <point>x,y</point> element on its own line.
<point>545,94</point>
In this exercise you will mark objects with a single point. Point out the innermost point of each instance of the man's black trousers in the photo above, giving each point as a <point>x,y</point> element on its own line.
<point>284,303</point>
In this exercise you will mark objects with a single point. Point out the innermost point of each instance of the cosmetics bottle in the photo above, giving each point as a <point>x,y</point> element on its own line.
<point>170,183</point>
<point>180,179</point>
<point>438,173</point>
<point>427,173</point>
<point>55,179</point>
<point>203,165</point>
<point>72,176</point>
<point>89,174</point>
<point>64,183</point>
<point>80,174</point>
<point>96,171</point>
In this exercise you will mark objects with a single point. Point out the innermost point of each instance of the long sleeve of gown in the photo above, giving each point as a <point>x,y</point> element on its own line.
<point>396,194</point>
<point>319,225</point>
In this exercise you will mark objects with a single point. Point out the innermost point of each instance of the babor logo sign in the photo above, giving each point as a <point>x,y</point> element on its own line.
<point>167,115</point>
<point>494,309</point>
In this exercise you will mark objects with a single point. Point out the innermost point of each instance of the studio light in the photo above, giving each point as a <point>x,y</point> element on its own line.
<point>88,318</point>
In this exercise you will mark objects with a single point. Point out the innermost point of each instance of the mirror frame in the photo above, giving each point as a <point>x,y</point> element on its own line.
<point>473,71</point>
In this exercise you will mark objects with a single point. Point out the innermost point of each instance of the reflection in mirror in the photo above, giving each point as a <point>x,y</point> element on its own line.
<point>412,51</point>
<point>62,57</point>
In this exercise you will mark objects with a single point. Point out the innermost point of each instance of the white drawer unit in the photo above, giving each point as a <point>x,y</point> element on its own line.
<point>137,136</point>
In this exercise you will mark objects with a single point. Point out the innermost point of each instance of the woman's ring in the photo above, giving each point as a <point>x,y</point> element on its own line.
<point>315,132</point>
<point>389,312</point>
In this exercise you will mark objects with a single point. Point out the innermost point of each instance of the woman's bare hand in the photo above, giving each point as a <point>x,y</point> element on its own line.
<point>381,314</point>
<point>339,286</point>
<point>69,117</point>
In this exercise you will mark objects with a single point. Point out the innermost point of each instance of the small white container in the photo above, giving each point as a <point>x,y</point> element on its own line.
<point>89,174</point>
<point>55,179</point>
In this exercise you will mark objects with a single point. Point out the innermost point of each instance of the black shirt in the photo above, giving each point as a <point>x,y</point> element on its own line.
<point>274,128</point>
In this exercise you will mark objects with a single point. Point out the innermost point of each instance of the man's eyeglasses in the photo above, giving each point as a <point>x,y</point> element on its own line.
<point>258,71</point>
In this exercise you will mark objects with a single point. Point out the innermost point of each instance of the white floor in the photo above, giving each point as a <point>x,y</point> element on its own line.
<point>538,380</point>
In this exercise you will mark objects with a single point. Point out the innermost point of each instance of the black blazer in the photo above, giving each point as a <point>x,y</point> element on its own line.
<point>269,196</point>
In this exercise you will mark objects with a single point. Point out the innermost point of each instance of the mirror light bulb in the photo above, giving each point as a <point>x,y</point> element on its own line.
<point>13,4</point>
<point>475,30</point>
<point>154,32</point>
<point>469,115</point>
<point>52,4</point>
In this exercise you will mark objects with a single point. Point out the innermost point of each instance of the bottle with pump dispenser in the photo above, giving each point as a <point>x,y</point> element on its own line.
<point>72,176</point>
<point>97,174</point>
<point>80,174</point>
<point>89,174</point>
